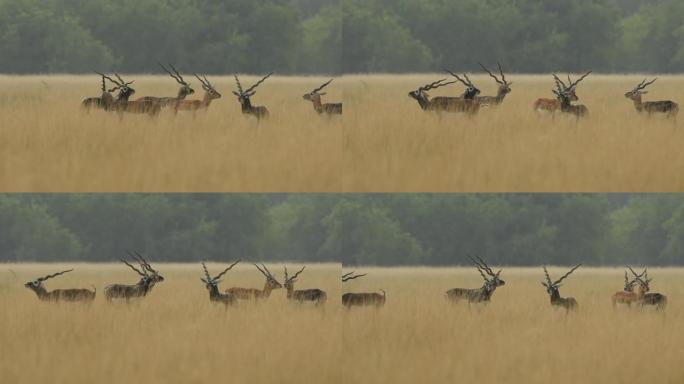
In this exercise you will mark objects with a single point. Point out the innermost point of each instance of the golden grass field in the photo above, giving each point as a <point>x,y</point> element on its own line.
<point>518,337</point>
<point>392,145</point>
<point>383,143</point>
<point>174,335</point>
<point>48,144</point>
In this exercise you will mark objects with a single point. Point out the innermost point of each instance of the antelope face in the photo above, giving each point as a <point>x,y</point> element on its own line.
<point>186,90</point>
<point>505,89</point>
<point>312,96</point>
<point>32,284</point>
<point>273,284</point>
<point>471,92</point>
<point>634,95</point>
<point>418,95</point>
<point>213,94</point>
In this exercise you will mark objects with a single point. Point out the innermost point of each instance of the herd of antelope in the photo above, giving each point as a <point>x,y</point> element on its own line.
<point>152,105</point>
<point>565,95</point>
<point>149,277</point>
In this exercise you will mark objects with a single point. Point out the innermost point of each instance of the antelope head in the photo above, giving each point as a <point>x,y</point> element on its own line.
<point>103,86</point>
<point>635,94</point>
<point>471,90</point>
<point>289,281</point>
<point>421,92</point>
<point>316,94</point>
<point>552,287</point>
<point>147,269</point>
<point>125,90</point>
<point>244,95</point>
<point>37,284</point>
<point>568,92</point>
<point>493,280</point>
<point>212,93</point>
<point>185,87</point>
<point>270,280</point>
<point>643,279</point>
<point>211,283</point>
<point>504,86</point>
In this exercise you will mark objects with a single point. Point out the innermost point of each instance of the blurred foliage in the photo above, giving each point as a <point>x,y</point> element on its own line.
<point>355,229</point>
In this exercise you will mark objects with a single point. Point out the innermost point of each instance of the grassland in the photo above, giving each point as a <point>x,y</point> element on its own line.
<point>47,144</point>
<point>392,145</point>
<point>384,142</point>
<point>518,337</point>
<point>172,336</point>
<point>175,335</point>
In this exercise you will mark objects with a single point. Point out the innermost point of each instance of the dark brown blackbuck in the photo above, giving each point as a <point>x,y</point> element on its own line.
<point>210,93</point>
<point>320,107</point>
<point>104,102</point>
<point>211,283</point>
<point>148,278</point>
<point>314,295</point>
<point>184,91</point>
<point>123,104</point>
<point>565,95</point>
<point>668,107</point>
<point>644,296</point>
<point>482,294</point>
<point>361,298</point>
<point>552,288</point>
<point>244,96</point>
<point>503,90</point>
<point>253,293</point>
<point>74,294</point>
<point>553,105</point>
<point>468,102</point>
<point>627,295</point>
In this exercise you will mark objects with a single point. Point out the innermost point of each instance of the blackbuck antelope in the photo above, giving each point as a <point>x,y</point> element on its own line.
<point>184,90</point>
<point>244,99</point>
<point>123,104</point>
<point>468,102</point>
<point>670,108</point>
<point>361,298</point>
<point>553,105</point>
<point>211,283</point>
<point>564,95</point>
<point>105,101</point>
<point>503,90</point>
<point>313,295</point>
<point>569,303</point>
<point>627,295</point>
<point>148,278</point>
<point>479,295</point>
<point>423,99</point>
<point>253,293</point>
<point>327,108</point>
<point>59,294</point>
<point>210,93</point>
<point>644,296</point>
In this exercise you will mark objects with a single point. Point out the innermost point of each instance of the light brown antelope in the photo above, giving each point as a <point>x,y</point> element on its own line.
<point>503,90</point>
<point>564,95</point>
<point>553,105</point>
<point>210,93</point>
<point>670,108</point>
<point>122,104</point>
<point>184,91</point>
<point>211,283</point>
<point>569,303</point>
<point>437,104</point>
<point>327,108</point>
<point>105,101</point>
<point>468,102</point>
<point>361,298</point>
<point>627,295</point>
<point>313,295</point>
<point>253,293</point>
<point>644,297</point>
<point>243,96</point>
<point>148,278</point>
<point>478,295</point>
<point>59,294</point>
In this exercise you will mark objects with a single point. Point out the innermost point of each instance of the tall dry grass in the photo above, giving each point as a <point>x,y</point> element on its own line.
<point>518,338</point>
<point>172,336</point>
<point>390,144</point>
<point>48,144</point>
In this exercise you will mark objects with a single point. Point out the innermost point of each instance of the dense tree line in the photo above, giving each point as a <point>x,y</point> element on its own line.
<point>331,36</point>
<point>393,229</point>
